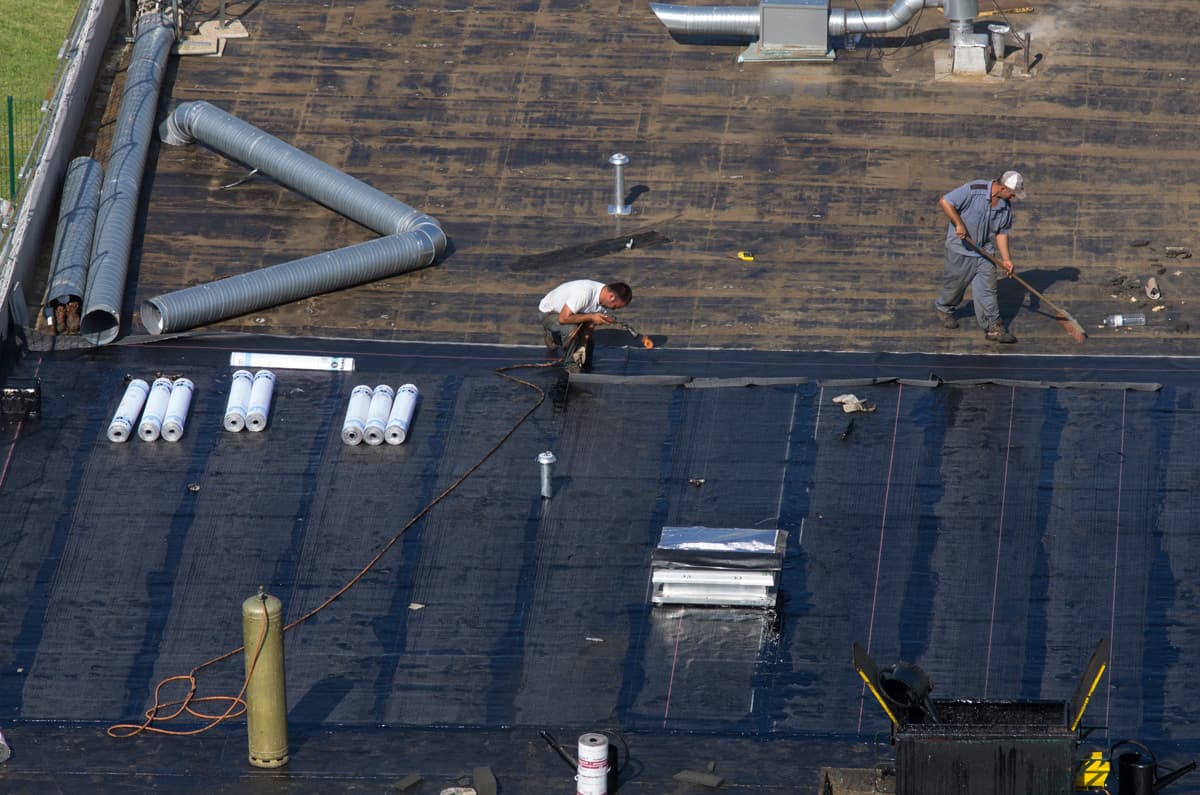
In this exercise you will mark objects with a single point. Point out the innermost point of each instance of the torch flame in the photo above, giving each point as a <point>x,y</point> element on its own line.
<point>647,342</point>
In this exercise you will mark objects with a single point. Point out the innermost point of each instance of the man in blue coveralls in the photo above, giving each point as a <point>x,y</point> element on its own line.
<point>982,211</point>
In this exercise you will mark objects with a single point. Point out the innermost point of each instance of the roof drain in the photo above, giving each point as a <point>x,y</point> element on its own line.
<point>412,239</point>
<point>796,30</point>
<point>123,180</point>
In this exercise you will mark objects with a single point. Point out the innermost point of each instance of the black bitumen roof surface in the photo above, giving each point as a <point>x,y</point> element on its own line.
<point>991,531</point>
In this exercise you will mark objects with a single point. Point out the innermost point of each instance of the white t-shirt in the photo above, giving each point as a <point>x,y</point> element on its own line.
<point>582,296</point>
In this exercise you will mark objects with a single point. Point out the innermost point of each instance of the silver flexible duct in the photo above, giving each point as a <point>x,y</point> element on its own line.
<point>731,22</point>
<point>844,22</point>
<point>73,236</point>
<point>743,22</point>
<point>289,281</point>
<point>413,239</point>
<point>287,165</point>
<point>123,179</point>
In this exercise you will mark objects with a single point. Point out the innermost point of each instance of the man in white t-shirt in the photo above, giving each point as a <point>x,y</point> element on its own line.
<point>571,310</point>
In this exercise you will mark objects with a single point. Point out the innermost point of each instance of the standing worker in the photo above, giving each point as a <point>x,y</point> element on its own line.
<point>981,211</point>
<point>572,310</point>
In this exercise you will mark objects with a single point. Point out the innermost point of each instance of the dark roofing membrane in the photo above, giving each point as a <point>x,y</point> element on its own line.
<point>991,532</point>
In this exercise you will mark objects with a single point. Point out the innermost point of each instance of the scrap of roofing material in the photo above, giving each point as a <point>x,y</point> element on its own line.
<point>239,401</point>
<point>150,427</point>
<point>291,361</point>
<point>377,414</point>
<point>177,409</point>
<point>128,410</point>
<point>412,239</point>
<point>113,242</point>
<point>852,403</point>
<point>260,400</point>
<point>400,418</point>
<point>355,423</point>
<point>73,236</point>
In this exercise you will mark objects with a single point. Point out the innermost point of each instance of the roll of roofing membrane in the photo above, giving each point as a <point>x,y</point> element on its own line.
<point>260,400</point>
<point>377,414</point>
<point>156,406</point>
<point>356,414</point>
<point>177,409</point>
<point>402,413</point>
<point>128,410</point>
<point>239,401</point>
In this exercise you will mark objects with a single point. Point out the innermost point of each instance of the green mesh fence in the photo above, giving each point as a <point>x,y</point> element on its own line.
<point>19,121</point>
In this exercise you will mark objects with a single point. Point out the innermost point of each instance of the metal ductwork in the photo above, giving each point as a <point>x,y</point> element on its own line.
<point>76,227</point>
<point>412,239</point>
<point>846,22</point>
<point>123,179</point>
<point>718,21</point>
<point>799,20</point>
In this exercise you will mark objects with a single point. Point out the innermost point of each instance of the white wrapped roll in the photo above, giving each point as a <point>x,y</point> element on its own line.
<point>402,414</point>
<point>260,400</point>
<point>177,409</point>
<point>239,401</point>
<point>592,772</point>
<point>156,406</point>
<point>128,410</point>
<point>377,414</point>
<point>356,414</point>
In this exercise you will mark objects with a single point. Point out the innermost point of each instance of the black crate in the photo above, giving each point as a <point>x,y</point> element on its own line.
<point>987,748</point>
<point>20,401</point>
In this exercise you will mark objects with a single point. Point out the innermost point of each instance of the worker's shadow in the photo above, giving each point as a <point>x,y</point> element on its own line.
<point>1011,295</point>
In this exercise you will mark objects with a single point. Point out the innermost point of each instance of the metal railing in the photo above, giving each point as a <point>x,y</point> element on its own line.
<point>19,123</point>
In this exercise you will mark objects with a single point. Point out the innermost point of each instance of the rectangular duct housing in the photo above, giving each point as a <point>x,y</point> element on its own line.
<point>797,26</point>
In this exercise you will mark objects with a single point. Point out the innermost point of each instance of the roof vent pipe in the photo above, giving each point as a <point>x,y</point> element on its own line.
<point>109,266</point>
<point>961,16</point>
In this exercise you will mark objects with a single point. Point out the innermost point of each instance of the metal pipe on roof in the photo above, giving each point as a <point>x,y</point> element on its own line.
<point>413,239</point>
<point>288,281</point>
<point>727,21</point>
<point>76,226</point>
<point>743,21</point>
<point>843,22</point>
<point>105,290</point>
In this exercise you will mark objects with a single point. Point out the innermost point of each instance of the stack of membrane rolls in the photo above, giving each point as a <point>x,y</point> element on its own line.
<point>249,400</point>
<point>162,408</point>
<point>379,415</point>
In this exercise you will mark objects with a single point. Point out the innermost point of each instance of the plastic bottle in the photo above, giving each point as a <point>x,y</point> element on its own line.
<point>1112,321</point>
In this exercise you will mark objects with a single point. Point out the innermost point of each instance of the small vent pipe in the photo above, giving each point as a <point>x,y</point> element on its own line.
<point>412,239</point>
<point>113,242</point>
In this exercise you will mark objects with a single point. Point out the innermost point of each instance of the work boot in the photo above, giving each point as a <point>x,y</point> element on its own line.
<point>551,343</point>
<point>73,317</point>
<point>946,319</point>
<point>60,319</point>
<point>998,333</point>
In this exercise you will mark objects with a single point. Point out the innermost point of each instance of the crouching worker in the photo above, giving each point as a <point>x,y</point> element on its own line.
<point>572,310</point>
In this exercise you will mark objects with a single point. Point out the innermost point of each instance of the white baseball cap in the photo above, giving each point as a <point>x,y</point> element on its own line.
<point>1014,182</point>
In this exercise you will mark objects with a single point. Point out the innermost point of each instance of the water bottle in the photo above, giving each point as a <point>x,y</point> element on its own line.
<point>1112,321</point>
